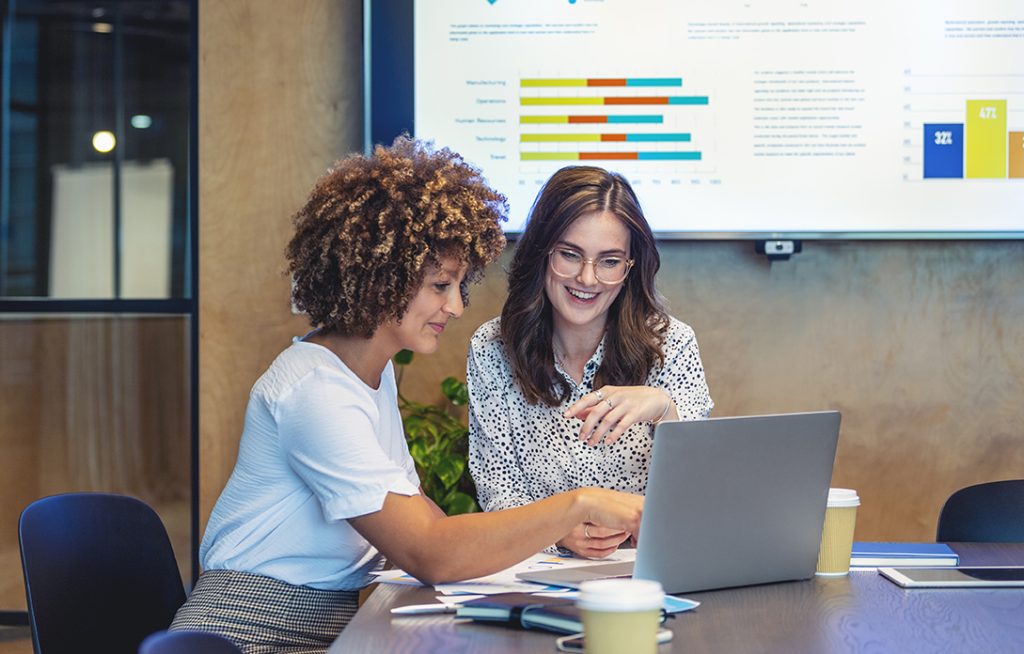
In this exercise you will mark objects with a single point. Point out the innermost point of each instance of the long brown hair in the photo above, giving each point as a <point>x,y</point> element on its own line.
<point>636,319</point>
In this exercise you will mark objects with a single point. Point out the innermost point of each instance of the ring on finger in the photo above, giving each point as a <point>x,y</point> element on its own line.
<point>586,531</point>
<point>609,401</point>
<point>599,394</point>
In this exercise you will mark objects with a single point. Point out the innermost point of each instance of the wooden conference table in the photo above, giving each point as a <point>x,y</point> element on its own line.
<point>859,613</point>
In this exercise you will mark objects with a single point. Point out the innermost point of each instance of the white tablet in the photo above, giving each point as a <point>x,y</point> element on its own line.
<point>976,577</point>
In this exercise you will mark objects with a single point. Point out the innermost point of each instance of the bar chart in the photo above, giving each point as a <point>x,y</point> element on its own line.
<point>608,119</point>
<point>982,147</point>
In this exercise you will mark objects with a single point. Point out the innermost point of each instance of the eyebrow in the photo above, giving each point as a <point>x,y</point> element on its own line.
<point>601,253</point>
<point>450,271</point>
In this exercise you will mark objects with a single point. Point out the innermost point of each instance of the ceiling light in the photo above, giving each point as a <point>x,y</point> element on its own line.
<point>103,141</point>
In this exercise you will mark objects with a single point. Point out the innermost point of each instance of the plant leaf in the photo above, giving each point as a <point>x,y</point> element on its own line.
<point>457,502</point>
<point>418,450</point>
<point>455,391</point>
<point>404,357</point>
<point>449,469</point>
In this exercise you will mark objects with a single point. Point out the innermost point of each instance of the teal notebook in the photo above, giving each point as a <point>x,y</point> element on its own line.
<point>525,611</point>
<point>556,614</point>
<point>871,554</point>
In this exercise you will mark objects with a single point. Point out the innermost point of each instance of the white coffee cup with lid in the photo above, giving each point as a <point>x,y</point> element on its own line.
<point>621,615</point>
<point>837,533</point>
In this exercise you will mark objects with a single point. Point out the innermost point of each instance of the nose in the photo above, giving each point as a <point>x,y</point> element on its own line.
<point>588,273</point>
<point>454,306</point>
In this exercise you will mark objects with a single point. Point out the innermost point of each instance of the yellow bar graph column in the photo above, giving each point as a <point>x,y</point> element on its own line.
<point>1016,145</point>
<point>985,139</point>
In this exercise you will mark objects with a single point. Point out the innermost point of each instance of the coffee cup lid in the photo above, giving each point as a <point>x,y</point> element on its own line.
<point>842,497</point>
<point>621,595</point>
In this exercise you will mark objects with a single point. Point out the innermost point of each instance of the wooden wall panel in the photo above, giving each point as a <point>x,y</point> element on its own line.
<point>19,426</point>
<point>93,404</point>
<point>918,343</point>
<point>279,102</point>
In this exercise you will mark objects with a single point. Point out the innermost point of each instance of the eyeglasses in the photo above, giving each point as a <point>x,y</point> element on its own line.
<point>610,269</point>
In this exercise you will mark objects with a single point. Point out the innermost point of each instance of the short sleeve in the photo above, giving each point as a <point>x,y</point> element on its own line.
<point>683,374</point>
<point>329,434</point>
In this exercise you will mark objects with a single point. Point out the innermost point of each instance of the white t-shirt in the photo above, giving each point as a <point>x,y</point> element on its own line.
<point>319,446</point>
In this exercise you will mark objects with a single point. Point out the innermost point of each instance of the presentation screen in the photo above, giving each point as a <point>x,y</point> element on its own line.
<point>731,119</point>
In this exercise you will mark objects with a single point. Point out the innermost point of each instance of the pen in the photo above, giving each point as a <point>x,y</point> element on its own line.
<point>420,609</point>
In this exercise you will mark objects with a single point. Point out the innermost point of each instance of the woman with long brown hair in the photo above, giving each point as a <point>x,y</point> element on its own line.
<point>566,386</point>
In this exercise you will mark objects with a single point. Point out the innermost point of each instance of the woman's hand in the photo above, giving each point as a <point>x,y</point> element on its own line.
<point>609,511</point>
<point>610,410</point>
<point>593,541</point>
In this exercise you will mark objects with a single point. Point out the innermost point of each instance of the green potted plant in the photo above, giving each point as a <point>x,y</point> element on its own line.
<point>438,442</point>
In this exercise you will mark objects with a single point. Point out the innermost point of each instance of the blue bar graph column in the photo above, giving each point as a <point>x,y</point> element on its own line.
<point>943,150</point>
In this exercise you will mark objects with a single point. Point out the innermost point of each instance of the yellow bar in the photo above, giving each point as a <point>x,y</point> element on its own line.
<point>549,156</point>
<point>545,101</point>
<point>548,138</point>
<point>552,82</point>
<point>544,119</point>
<point>985,139</point>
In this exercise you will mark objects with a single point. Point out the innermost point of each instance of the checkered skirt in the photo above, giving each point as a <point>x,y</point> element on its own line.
<point>263,615</point>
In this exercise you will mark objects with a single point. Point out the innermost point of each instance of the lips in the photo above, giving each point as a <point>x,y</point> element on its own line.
<point>582,296</point>
<point>436,326</point>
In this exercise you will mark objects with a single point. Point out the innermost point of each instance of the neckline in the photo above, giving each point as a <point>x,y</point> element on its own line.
<point>344,366</point>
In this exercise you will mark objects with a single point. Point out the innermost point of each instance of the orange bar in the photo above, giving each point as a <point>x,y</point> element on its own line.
<point>606,81</point>
<point>640,100</point>
<point>588,119</point>
<point>607,155</point>
<point>613,137</point>
<point>1016,155</point>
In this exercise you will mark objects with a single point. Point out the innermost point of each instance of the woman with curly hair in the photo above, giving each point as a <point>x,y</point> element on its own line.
<point>566,386</point>
<point>324,484</point>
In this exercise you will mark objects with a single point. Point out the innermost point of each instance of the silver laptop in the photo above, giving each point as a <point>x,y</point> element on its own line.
<point>730,502</point>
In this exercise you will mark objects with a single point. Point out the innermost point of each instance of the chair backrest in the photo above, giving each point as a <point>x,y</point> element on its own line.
<point>985,513</point>
<point>100,574</point>
<point>187,642</point>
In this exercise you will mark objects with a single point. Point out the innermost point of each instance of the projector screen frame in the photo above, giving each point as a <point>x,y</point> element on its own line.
<point>388,94</point>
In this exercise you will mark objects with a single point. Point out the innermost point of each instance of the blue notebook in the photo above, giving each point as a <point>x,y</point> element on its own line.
<point>870,554</point>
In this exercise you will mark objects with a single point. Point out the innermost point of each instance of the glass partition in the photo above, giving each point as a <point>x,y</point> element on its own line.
<point>97,288</point>
<point>95,150</point>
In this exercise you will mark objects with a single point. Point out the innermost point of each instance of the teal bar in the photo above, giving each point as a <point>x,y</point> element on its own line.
<point>688,99</point>
<point>636,119</point>
<point>654,81</point>
<point>658,137</point>
<point>668,156</point>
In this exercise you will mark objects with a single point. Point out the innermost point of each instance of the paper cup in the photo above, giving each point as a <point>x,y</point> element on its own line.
<point>620,615</point>
<point>837,534</point>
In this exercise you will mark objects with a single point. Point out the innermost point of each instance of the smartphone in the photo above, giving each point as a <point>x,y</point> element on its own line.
<point>974,577</point>
<point>574,643</point>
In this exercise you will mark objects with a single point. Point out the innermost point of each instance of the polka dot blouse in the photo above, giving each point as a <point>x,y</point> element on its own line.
<point>521,452</point>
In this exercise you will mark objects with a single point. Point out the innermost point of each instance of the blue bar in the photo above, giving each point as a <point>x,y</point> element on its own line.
<point>654,81</point>
<point>636,119</point>
<point>658,137</point>
<point>943,151</point>
<point>668,156</point>
<point>688,99</point>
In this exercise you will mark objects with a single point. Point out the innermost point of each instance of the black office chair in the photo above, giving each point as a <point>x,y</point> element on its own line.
<point>187,642</point>
<point>100,574</point>
<point>985,513</point>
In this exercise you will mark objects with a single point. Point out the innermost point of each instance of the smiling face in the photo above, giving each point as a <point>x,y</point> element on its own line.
<point>438,300</point>
<point>582,301</point>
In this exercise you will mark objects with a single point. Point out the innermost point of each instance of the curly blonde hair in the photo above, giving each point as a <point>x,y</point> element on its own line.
<point>372,225</point>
